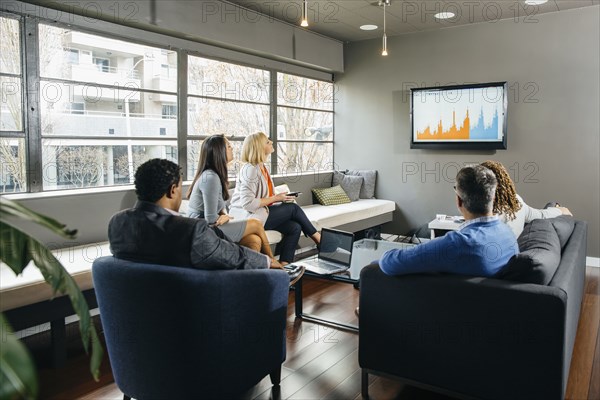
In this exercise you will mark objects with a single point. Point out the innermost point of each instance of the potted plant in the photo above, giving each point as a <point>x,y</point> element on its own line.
<point>17,249</point>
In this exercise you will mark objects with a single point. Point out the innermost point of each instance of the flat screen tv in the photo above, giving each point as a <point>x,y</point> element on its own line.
<point>461,117</point>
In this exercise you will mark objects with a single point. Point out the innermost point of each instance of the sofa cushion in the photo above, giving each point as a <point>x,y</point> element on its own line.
<point>350,183</point>
<point>564,226</point>
<point>367,190</point>
<point>539,254</point>
<point>331,196</point>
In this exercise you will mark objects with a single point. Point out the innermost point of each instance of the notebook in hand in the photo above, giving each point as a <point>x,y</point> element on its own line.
<point>334,255</point>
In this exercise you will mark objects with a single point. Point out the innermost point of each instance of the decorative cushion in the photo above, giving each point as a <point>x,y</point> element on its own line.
<point>370,178</point>
<point>331,196</point>
<point>564,226</point>
<point>539,257</point>
<point>350,183</point>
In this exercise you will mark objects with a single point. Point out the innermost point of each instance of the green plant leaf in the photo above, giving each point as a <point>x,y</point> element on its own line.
<point>12,208</point>
<point>18,249</point>
<point>18,378</point>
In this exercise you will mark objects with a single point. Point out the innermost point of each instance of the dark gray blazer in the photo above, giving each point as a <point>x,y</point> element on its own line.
<point>149,233</point>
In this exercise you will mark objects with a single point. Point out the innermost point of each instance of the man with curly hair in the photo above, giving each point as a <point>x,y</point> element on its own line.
<point>153,232</point>
<point>481,247</point>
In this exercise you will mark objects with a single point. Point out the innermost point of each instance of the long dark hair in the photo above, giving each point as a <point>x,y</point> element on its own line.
<point>213,156</point>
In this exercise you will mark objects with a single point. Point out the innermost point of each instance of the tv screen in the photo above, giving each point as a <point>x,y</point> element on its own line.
<point>469,117</point>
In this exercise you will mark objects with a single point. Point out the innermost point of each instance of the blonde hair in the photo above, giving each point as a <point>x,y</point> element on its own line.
<point>253,149</point>
<point>506,201</point>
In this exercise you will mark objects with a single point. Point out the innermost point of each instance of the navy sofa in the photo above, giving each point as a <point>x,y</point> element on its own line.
<point>175,333</point>
<point>475,337</point>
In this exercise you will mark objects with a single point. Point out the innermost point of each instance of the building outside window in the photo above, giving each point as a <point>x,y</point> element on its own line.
<point>102,117</point>
<point>107,105</point>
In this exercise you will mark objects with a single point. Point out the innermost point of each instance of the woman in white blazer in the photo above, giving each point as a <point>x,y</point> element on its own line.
<point>254,197</point>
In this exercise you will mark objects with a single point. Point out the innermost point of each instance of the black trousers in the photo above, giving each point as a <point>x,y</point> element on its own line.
<point>289,220</point>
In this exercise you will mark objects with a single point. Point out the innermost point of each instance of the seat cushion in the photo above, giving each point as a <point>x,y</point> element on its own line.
<point>539,255</point>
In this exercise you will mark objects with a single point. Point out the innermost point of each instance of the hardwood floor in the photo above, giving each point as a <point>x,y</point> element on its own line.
<point>322,363</point>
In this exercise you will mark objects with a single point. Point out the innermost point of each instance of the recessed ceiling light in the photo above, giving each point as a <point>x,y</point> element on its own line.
<point>535,2</point>
<point>444,15</point>
<point>368,27</point>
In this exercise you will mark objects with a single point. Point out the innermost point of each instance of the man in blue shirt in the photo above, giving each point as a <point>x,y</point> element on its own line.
<point>481,247</point>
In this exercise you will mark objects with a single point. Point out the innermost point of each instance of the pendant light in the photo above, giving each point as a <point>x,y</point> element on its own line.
<point>304,21</point>
<point>384,3</point>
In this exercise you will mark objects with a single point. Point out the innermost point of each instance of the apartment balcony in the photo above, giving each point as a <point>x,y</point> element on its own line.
<point>109,124</point>
<point>163,84</point>
<point>112,76</point>
<point>98,43</point>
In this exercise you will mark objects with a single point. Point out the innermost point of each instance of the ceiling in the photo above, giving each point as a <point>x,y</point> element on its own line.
<point>341,19</point>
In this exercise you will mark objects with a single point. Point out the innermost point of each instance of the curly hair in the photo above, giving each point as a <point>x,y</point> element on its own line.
<point>154,178</point>
<point>506,201</point>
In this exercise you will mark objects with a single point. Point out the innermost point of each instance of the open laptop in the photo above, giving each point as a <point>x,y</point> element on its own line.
<point>334,255</point>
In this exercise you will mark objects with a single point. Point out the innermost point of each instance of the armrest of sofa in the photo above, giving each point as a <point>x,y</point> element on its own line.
<point>461,333</point>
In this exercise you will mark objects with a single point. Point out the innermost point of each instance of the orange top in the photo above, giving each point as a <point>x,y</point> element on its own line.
<point>268,178</point>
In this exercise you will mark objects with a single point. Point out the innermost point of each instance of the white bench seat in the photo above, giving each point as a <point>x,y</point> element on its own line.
<point>341,214</point>
<point>30,287</point>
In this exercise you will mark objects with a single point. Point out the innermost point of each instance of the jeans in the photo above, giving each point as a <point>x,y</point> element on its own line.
<point>289,220</point>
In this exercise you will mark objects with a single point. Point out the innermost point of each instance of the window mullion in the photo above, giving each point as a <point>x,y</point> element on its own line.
<point>182,110</point>
<point>273,121</point>
<point>31,104</point>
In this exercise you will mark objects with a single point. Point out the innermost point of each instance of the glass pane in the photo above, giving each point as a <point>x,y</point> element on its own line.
<point>209,117</point>
<point>193,155</point>
<point>298,124</point>
<point>10,46</point>
<point>78,56</point>
<point>296,91</point>
<point>294,158</point>
<point>69,164</point>
<point>13,169</point>
<point>11,107</point>
<point>227,81</point>
<point>88,110</point>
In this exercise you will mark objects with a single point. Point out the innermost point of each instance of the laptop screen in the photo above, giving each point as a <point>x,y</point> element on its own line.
<point>336,246</point>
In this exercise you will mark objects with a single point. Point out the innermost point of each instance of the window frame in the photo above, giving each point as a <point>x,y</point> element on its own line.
<point>30,100</point>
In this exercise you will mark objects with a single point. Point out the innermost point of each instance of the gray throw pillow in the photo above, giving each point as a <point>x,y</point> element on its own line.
<point>539,254</point>
<point>370,178</point>
<point>564,226</point>
<point>350,183</point>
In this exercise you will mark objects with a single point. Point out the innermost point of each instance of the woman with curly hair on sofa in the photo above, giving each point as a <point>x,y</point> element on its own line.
<point>511,207</point>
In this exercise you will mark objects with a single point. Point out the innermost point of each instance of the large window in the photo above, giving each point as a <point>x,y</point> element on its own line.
<point>83,110</point>
<point>304,125</point>
<point>227,99</point>
<point>13,177</point>
<point>103,104</point>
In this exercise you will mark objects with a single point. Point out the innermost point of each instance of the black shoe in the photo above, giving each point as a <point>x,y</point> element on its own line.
<point>295,272</point>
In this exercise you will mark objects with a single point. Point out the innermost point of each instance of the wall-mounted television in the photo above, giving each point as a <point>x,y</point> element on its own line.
<point>461,117</point>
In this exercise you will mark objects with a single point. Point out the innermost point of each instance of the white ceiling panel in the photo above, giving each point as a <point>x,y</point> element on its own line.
<point>341,19</point>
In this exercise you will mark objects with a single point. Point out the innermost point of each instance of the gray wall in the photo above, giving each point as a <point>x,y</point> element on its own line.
<point>553,118</point>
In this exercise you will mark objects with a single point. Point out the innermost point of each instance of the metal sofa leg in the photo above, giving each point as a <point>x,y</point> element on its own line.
<point>364,384</point>
<point>276,376</point>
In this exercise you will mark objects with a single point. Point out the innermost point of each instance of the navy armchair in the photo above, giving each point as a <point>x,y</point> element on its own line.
<point>186,333</point>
